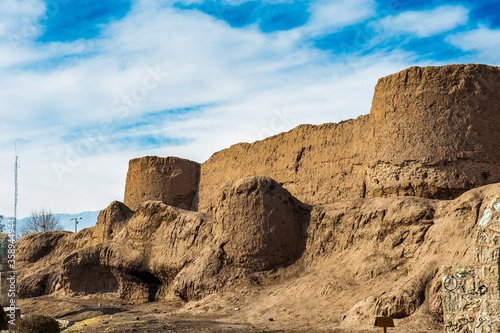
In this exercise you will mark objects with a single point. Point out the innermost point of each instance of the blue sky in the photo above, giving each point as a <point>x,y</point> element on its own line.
<point>87,85</point>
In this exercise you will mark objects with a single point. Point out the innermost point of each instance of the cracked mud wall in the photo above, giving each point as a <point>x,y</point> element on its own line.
<point>430,133</point>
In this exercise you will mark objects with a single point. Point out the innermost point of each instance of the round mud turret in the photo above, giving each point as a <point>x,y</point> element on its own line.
<point>171,180</point>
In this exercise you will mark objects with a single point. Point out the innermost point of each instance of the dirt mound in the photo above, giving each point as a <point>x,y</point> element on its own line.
<point>111,220</point>
<point>431,132</point>
<point>260,223</point>
<point>361,257</point>
<point>258,226</point>
<point>171,180</point>
<point>141,261</point>
<point>162,250</point>
<point>39,256</point>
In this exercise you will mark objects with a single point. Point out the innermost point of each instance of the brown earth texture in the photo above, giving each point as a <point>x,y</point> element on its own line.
<point>319,229</point>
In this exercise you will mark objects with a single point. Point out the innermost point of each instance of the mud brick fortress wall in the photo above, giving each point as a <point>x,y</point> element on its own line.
<point>430,133</point>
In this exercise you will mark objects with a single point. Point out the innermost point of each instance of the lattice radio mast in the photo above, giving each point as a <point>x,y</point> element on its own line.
<point>16,166</point>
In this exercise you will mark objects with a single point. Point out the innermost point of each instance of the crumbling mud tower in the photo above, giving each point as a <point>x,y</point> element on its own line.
<point>171,180</point>
<point>432,132</point>
<point>472,293</point>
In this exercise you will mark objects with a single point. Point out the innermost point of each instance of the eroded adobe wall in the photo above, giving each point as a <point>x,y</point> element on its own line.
<point>431,132</point>
<point>171,180</point>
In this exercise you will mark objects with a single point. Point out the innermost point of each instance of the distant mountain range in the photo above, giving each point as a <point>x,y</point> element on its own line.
<point>89,219</point>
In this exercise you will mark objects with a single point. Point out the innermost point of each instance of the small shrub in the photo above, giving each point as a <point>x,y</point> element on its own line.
<point>36,324</point>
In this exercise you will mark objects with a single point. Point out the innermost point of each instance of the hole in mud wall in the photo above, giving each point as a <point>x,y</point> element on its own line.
<point>486,175</point>
<point>150,280</point>
<point>93,279</point>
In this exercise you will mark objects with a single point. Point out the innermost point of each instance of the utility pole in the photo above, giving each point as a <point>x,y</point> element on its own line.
<point>76,222</point>
<point>12,231</point>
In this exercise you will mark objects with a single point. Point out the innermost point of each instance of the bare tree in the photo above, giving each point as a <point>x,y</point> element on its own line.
<point>2,226</point>
<point>41,221</point>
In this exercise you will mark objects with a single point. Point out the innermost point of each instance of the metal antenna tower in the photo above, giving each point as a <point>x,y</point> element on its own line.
<point>16,166</point>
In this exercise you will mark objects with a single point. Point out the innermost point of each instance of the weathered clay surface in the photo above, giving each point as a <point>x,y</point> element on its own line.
<point>360,258</point>
<point>260,223</point>
<point>111,220</point>
<point>258,226</point>
<point>143,258</point>
<point>39,255</point>
<point>171,180</point>
<point>431,132</point>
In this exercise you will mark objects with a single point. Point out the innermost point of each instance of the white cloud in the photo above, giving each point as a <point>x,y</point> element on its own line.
<point>191,2</point>
<point>482,40</point>
<point>328,16</point>
<point>20,19</point>
<point>243,75</point>
<point>426,23</point>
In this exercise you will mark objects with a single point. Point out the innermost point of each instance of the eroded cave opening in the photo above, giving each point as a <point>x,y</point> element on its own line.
<point>91,279</point>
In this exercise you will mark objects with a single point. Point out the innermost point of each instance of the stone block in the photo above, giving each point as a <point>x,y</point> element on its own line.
<point>484,237</point>
<point>459,322</point>
<point>489,255</point>
<point>495,223</point>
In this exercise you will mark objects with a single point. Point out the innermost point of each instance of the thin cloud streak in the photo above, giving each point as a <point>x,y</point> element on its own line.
<point>483,42</point>
<point>427,22</point>
<point>329,16</point>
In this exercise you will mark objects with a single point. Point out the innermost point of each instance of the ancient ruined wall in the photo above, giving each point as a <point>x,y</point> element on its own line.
<point>170,179</point>
<point>431,132</point>
<point>315,163</point>
<point>472,293</point>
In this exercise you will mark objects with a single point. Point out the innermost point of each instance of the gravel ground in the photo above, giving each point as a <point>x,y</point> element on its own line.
<point>99,314</point>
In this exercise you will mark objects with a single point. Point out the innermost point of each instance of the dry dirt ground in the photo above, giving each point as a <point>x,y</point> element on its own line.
<point>106,314</point>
